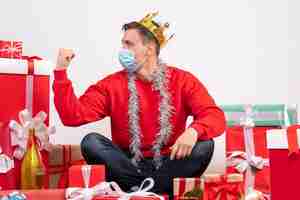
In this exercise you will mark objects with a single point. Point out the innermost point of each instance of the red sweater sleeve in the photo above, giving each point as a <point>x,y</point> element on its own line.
<point>73,111</point>
<point>209,120</point>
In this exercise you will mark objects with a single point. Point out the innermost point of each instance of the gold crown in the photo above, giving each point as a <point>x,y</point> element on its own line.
<point>158,29</point>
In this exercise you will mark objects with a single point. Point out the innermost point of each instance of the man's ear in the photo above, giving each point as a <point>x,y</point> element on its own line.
<point>151,49</point>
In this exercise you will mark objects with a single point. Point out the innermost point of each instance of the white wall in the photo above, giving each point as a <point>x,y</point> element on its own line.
<point>244,51</point>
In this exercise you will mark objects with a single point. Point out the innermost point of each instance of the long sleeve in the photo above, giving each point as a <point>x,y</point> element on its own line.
<point>209,120</point>
<point>93,105</point>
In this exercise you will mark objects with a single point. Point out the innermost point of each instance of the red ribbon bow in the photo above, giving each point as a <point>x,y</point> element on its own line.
<point>223,190</point>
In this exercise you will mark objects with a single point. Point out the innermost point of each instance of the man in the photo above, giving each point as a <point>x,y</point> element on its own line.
<point>148,103</point>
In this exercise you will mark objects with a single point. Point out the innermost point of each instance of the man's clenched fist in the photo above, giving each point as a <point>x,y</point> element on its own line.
<point>64,58</point>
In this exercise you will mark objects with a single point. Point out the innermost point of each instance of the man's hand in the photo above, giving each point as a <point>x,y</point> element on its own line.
<point>64,58</point>
<point>184,144</point>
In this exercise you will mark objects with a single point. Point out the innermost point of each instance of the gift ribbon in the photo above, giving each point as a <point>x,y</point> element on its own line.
<point>107,188</point>
<point>293,139</point>
<point>29,81</point>
<point>20,132</point>
<point>248,124</point>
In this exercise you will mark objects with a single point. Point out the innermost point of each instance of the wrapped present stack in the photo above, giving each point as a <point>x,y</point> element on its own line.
<point>246,145</point>
<point>24,115</point>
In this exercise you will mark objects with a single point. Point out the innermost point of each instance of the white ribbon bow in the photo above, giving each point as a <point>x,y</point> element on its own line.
<point>242,162</point>
<point>141,192</point>
<point>20,132</point>
<point>107,188</point>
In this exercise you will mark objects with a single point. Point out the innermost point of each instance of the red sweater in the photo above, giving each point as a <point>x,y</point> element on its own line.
<point>109,97</point>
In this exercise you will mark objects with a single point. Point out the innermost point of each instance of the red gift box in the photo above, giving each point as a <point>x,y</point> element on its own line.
<point>24,83</point>
<point>284,162</point>
<point>11,49</point>
<point>235,142</point>
<point>187,188</point>
<point>76,178</point>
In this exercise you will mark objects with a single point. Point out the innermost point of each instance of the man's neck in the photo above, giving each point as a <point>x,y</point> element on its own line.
<point>145,72</point>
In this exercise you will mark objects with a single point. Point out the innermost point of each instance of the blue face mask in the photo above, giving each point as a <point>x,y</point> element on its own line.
<point>128,61</point>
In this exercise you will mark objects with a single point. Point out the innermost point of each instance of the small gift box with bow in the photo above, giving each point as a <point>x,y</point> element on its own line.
<point>11,49</point>
<point>106,190</point>
<point>223,187</point>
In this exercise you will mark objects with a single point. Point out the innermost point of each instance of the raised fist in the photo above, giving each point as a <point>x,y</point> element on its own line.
<point>64,58</point>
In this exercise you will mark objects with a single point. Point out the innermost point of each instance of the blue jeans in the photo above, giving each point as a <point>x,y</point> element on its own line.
<point>97,149</point>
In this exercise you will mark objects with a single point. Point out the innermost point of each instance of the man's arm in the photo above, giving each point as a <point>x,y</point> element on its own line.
<point>209,120</point>
<point>93,105</point>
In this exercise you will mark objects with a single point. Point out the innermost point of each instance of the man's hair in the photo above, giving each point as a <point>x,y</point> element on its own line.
<point>144,32</point>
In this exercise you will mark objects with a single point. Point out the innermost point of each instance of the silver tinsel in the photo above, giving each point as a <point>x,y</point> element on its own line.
<point>160,81</point>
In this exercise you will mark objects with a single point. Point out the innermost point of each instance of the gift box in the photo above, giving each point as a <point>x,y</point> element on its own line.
<point>223,187</point>
<point>24,83</point>
<point>284,162</point>
<point>246,146</point>
<point>263,114</point>
<point>11,49</point>
<point>61,158</point>
<point>76,178</point>
<point>88,181</point>
<point>187,188</point>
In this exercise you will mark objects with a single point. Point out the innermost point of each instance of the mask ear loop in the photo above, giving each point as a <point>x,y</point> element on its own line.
<point>140,65</point>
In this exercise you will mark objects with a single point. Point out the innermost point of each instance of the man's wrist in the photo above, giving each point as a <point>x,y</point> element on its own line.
<point>194,132</point>
<point>58,68</point>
